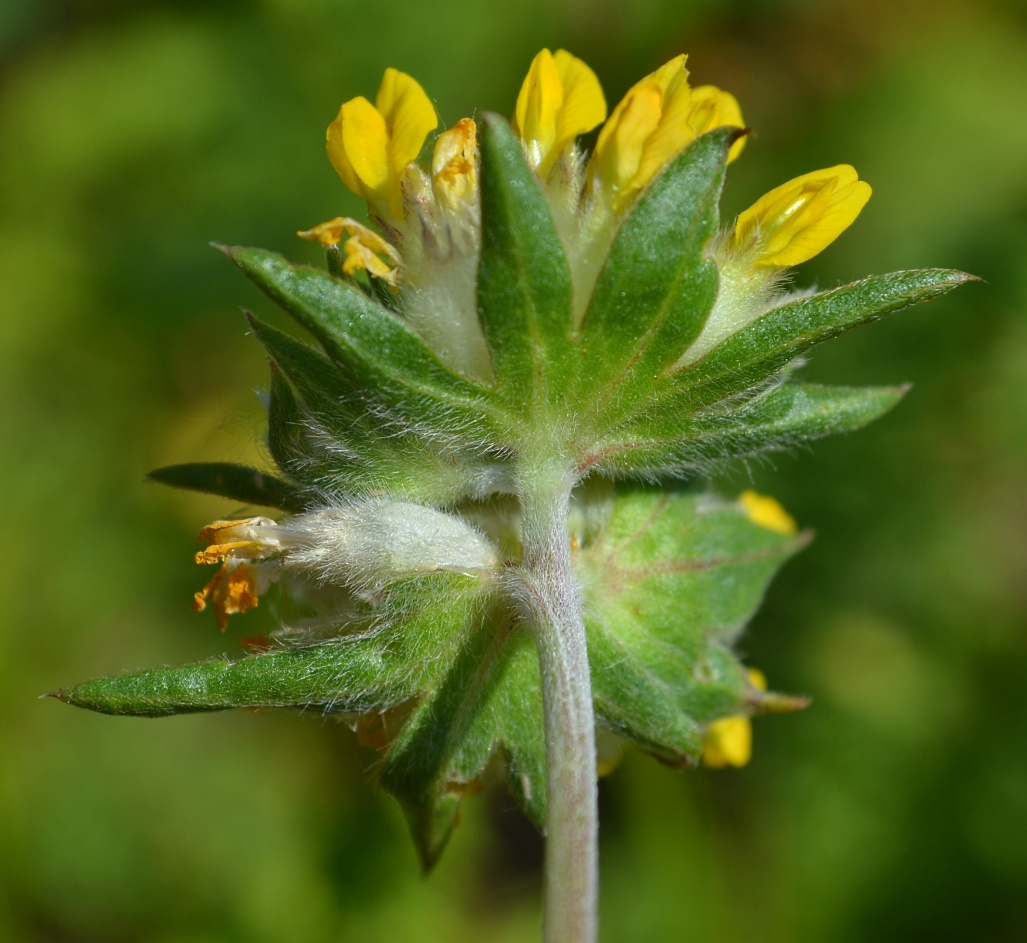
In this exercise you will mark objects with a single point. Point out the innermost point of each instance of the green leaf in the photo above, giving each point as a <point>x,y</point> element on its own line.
<point>668,587</point>
<point>489,699</point>
<point>777,419</point>
<point>524,289</point>
<point>657,286</point>
<point>236,482</point>
<point>380,355</point>
<point>372,666</point>
<point>334,442</point>
<point>762,348</point>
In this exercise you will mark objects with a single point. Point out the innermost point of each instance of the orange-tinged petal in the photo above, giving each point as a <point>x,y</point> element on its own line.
<point>364,249</point>
<point>233,590</point>
<point>454,164</point>
<point>799,219</point>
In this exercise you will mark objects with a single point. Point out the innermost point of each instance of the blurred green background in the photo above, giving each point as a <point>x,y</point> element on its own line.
<point>133,133</point>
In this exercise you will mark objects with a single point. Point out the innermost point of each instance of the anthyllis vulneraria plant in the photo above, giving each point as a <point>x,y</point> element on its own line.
<point>489,542</point>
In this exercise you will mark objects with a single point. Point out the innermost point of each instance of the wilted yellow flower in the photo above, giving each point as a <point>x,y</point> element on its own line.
<point>658,117</point>
<point>767,512</point>
<point>559,99</point>
<point>728,742</point>
<point>454,165</point>
<point>364,249</point>
<point>370,146</point>
<point>240,547</point>
<point>795,221</point>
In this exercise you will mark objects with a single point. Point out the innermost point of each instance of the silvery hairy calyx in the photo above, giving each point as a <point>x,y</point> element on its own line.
<point>487,536</point>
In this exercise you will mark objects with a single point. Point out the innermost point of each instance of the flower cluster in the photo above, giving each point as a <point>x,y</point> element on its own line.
<point>426,230</point>
<point>423,244</point>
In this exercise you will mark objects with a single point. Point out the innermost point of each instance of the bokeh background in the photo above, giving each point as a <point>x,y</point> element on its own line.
<point>133,133</point>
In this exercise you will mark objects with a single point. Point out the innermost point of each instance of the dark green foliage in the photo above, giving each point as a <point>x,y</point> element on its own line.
<point>657,285</point>
<point>236,482</point>
<point>524,286</point>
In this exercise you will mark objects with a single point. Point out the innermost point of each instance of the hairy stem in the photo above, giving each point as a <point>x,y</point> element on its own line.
<point>552,600</point>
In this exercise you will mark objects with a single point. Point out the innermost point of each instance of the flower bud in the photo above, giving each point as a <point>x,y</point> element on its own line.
<point>799,219</point>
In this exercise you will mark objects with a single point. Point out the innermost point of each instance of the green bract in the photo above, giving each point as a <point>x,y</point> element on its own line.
<point>372,422</point>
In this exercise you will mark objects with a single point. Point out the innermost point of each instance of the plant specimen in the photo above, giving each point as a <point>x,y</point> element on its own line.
<point>493,535</point>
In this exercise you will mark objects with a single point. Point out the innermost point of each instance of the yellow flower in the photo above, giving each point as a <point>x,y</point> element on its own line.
<point>768,513</point>
<point>370,146</point>
<point>728,741</point>
<point>365,249</point>
<point>559,99</point>
<point>658,117</point>
<point>795,221</point>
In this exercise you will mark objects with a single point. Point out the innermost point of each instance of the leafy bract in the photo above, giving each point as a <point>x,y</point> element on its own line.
<point>774,419</point>
<point>668,579</point>
<point>524,286</point>
<point>657,285</point>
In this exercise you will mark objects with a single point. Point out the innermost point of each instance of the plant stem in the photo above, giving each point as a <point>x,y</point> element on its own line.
<point>552,599</point>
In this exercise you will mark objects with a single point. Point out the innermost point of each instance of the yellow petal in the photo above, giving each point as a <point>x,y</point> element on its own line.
<point>409,118</point>
<point>358,147</point>
<point>714,108</point>
<point>559,99</point>
<point>584,105</point>
<point>767,512</point>
<point>673,133</point>
<point>538,104</point>
<point>647,128</point>
<point>670,74</point>
<point>620,145</point>
<point>727,742</point>
<point>799,219</point>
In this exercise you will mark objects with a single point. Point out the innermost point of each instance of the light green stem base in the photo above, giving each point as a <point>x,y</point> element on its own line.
<point>552,600</point>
